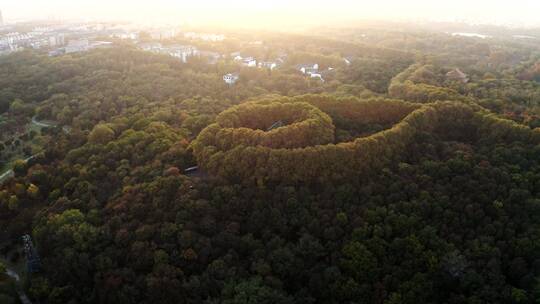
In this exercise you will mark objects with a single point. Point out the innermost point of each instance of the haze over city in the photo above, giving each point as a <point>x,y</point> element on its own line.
<point>278,13</point>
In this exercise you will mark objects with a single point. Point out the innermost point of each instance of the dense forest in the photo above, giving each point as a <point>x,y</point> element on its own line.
<point>386,183</point>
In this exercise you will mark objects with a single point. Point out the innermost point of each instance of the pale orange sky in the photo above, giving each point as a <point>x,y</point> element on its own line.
<point>268,13</point>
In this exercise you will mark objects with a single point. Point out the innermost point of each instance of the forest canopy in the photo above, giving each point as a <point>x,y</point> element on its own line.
<point>235,147</point>
<point>144,179</point>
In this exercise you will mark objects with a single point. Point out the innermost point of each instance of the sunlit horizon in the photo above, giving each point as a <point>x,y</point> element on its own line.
<point>275,14</point>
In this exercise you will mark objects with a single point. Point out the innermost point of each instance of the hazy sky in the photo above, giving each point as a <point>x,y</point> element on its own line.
<point>270,12</point>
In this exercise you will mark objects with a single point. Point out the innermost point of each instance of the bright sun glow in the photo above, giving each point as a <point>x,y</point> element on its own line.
<point>275,13</point>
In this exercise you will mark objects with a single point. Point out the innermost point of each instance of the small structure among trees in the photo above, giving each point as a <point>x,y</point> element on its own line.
<point>457,75</point>
<point>231,78</point>
<point>275,125</point>
<point>33,262</point>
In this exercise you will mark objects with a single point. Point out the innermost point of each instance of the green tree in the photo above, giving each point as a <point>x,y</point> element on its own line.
<point>253,291</point>
<point>101,134</point>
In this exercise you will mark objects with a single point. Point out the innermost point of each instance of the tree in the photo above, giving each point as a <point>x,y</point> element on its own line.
<point>13,203</point>
<point>33,191</point>
<point>5,299</point>
<point>20,167</point>
<point>18,107</point>
<point>253,291</point>
<point>101,134</point>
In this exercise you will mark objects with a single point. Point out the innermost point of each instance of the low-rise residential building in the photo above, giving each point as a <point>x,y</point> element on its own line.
<point>324,74</point>
<point>245,61</point>
<point>38,43</point>
<point>100,45</point>
<point>249,62</point>
<point>183,52</point>
<point>15,37</point>
<point>124,35</point>
<point>154,47</point>
<point>162,34</point>
<point>317,75</point>
<point>53,38</point>
<point>204,36</point>
<point>309,68</point>
<point>231,78</point>
<point>237,57</point>
<point>312,70</point>
<point>76,46</point>
<point>57,40</point>
<point>268,65</point>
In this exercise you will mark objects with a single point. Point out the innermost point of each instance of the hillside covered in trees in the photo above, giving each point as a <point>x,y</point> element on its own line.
<point>389,182</point>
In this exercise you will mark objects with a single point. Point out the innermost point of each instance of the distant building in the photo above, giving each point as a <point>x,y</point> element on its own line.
<point>268,65</point>
<point>100,45</point>
<point>40,30</point>
<point>1,19</point>
<point>38,43</point>
<point>124,35</point>
<point>237,57</point>
<point>57,40</point>
<point>249,62</point>
<point>204,37</point>
<point>457,75</point>
<point>245,61</point>
<point>52,41</point>
<point>324,74</point>
<point>14,41</point>
<point>162,34</point>
<point>310,68</point>
<point>15,38</point>
<point>76,46</point>
<point>151,47</point>
<point>231,78</point>
<point>183,52</point>
<point>317,75</point>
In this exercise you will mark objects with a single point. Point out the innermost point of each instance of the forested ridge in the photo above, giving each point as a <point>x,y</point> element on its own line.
<point>387,183</point>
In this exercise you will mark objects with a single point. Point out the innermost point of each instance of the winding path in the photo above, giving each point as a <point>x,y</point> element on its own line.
<point>6,175</point>
<point>41,123</point>
<point>49,124</point>
<point>22,295</point>
<point>9,173</point>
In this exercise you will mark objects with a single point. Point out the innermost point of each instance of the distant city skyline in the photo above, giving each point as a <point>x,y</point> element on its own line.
<point>276,13</point>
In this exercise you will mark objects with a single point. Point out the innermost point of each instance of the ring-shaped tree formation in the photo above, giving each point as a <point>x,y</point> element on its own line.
<point>239,145</point>
<point>299,125</point>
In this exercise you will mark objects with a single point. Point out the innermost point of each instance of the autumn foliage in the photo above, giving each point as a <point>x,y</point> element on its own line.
<point>237,146</point>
